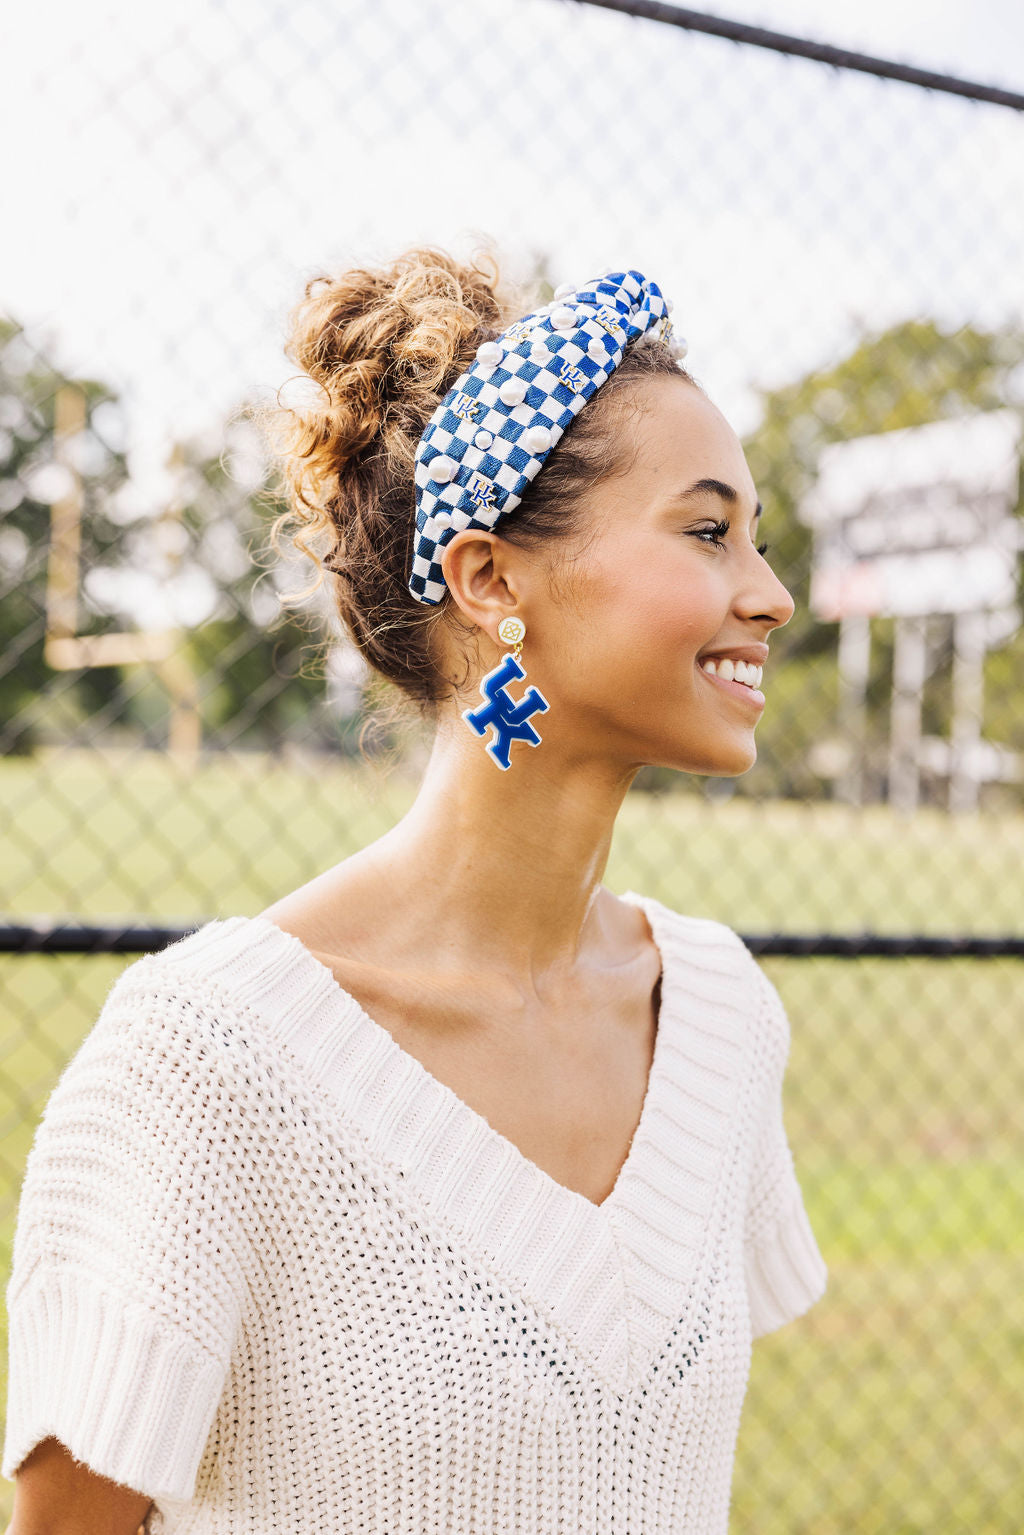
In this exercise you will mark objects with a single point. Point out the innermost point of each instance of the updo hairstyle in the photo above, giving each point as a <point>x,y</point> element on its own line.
<point>383,346</point>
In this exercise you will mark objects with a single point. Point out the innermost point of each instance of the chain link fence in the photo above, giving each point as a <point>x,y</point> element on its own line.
<point>844,242</point>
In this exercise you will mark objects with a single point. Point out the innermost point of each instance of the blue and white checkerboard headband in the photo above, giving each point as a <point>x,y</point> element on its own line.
<point>492,432</point>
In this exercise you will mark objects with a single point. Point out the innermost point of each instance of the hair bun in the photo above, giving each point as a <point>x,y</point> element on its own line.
<point>383,345</point>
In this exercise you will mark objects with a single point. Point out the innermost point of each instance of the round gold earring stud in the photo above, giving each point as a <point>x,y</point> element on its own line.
<point>511,631</point>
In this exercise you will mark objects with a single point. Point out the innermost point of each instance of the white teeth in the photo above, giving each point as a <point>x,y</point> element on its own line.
<point>735,671</point>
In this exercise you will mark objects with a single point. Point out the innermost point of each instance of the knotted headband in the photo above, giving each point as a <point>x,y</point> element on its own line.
<point>492,432</point>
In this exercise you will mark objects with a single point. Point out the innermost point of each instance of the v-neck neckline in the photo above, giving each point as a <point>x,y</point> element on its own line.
<point>613,1274</point>
<point>426,1083</point>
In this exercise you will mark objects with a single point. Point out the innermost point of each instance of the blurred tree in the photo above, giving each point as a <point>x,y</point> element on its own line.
<point>32,695</point>
<point>263,672</point>
<point>190,566</point>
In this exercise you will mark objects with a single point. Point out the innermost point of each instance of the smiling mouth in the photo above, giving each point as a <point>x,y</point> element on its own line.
<point>744,690</point>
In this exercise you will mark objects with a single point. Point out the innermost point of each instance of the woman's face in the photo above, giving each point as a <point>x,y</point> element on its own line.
<point>664,581</point>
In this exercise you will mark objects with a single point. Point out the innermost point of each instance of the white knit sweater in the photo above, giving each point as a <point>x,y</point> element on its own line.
<point>271,1272</point>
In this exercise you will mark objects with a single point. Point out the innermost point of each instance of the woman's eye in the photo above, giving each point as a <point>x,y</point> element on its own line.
<point>716,535</point>
<point>713,535</point>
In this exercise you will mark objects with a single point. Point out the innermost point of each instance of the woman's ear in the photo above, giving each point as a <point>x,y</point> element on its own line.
<point>480,570</point>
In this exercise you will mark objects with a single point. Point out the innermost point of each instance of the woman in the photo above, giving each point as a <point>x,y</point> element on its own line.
<point>448,1193</point>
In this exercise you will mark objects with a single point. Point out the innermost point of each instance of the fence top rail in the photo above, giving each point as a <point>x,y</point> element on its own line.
<point>43,935</point>
<point>801,47</point>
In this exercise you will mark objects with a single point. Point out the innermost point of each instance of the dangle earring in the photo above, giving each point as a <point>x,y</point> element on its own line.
<point>511,721</point>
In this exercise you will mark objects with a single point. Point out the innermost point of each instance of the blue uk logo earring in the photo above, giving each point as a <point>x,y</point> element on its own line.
<point>511,720</point>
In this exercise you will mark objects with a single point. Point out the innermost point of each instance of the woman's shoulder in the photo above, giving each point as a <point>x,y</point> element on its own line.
<point>200,995</point>
<point>696,933</point>
<point>240,955</point>
<point>709,961</point>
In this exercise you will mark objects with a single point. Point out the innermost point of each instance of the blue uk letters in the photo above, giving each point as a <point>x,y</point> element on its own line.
<point>511,721</point>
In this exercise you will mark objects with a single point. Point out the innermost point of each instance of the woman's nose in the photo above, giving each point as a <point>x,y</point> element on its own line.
<point>767,599</point>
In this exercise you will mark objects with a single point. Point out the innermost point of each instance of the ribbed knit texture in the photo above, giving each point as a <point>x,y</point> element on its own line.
<point>271,1272</point>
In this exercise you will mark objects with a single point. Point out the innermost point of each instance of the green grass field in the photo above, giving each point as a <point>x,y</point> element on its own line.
<point>893,1407</point>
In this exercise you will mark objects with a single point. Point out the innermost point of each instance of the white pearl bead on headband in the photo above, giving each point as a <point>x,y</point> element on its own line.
<point>489,436</point>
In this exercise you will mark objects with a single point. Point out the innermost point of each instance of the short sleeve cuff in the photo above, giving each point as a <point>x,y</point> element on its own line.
<point>785,1271</point>
<point>127,1396</point>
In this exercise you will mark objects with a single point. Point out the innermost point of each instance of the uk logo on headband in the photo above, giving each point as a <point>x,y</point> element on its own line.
<point>490,435</point>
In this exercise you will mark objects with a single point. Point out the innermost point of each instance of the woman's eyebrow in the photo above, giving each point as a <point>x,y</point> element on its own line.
<point>716,488</point>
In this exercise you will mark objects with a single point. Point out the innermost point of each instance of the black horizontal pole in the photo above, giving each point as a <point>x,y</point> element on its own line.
<point>48,936</point>
<point>43,936</point>
<point>804,48</point>
<point>884,946</point>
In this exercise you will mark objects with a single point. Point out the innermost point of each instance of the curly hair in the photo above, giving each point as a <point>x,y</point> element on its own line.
<point>383,346</point>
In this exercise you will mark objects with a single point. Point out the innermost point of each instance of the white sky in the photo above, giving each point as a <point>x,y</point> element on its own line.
<point>174,173</point>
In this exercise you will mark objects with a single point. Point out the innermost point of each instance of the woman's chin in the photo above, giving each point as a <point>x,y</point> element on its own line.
<point>730,762</point>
